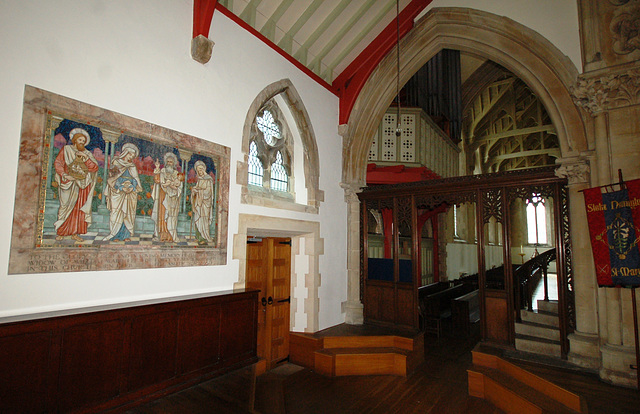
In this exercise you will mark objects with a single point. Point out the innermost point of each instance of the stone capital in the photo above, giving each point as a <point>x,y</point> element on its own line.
<point>185,155</point>
<point>576,171</point>
<point>602,91</point>
<point>351,192</point>
<point>110,136</point>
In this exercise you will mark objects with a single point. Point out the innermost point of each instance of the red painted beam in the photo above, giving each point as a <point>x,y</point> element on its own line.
<point>202,16</point>
<point>350,82</point>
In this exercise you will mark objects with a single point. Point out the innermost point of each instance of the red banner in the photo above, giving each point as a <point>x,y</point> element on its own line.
<point>614,227</point>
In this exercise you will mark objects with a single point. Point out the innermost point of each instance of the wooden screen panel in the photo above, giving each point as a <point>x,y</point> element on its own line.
<point>406,310</point>
<point>497,324</point>
<point>237,330</point>
<point>23,377</point>
<point>379,302</point>
<point>89,364</point>
<point>199,344</point>
<point>152,349</point>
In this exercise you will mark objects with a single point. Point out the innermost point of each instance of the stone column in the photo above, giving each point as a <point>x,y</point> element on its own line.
<point>55,123</point>
<point>186,157</point>
<point>110,139</point>
<point>611,318</point>
<point>585,341</point>
<point>353,308</point>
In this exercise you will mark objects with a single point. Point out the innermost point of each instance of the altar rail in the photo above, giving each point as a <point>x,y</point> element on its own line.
<point>101,359</point>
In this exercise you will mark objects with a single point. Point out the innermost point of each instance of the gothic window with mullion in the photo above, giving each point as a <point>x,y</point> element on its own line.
<point>270,149</point>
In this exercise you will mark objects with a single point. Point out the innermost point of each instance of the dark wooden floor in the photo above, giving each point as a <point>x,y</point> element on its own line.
<point>437,386</point>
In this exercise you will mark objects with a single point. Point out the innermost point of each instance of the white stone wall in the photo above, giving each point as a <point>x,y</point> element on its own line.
<point>134,58</point>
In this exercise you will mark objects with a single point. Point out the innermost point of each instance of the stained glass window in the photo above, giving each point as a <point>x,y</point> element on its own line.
<point>279,177</point>
<point>269,128</point>
<point>255,166</point>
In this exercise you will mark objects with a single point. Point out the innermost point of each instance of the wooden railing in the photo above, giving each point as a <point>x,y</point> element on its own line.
<point>527,276</point>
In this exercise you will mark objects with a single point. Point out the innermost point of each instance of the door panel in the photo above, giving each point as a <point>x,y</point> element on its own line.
<point>269,269</point>
<point>255,278</point>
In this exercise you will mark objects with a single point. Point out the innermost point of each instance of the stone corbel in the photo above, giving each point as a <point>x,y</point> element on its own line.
<point>201,45</point>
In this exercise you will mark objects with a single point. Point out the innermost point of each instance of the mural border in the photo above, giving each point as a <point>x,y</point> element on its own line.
<point>27,254</point>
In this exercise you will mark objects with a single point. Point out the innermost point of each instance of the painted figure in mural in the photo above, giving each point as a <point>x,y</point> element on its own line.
<point>123,186</point>
<point>76,170</point>
<point>202,203</point>
<point>166,192</point>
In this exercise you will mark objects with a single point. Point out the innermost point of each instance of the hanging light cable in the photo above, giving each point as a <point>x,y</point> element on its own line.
<point>398,123</point>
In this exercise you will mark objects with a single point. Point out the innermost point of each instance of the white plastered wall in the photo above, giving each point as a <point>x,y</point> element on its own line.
<point>134,58</point>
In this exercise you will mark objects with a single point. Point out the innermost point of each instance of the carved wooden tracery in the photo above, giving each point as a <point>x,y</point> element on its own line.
<point>492,195</point>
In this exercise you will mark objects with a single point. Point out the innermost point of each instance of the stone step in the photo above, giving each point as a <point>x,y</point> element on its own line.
<point>550,306</point>
<point>538,331</point>
<point>540,317</point>
<point>539,346</point>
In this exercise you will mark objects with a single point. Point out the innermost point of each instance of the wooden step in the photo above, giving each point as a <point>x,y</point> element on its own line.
<point>386,341</point>
<point>488,376</point>
<point>511,395</point>
<point>362,361</point>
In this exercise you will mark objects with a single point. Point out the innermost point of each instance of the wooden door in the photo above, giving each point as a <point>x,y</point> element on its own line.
<point>269,269</point>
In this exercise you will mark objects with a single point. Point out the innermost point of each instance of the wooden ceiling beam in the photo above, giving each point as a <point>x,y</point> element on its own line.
<point>202,16</point>
<point>350,82</point>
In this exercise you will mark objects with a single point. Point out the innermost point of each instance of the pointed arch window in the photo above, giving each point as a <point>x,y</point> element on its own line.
<point>256,172</point>
<point>536,220</point>
<point>279,176</point>
<point>270,150</point>
<point>280,168</point>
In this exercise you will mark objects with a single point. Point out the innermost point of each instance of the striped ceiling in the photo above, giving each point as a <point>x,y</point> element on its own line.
<point>323,35</point>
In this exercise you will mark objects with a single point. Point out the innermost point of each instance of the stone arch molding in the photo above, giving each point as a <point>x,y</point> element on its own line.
<point>527,54</point>
<point>311,163</point>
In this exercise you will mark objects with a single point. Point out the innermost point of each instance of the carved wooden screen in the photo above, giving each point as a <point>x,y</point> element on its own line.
<point>488,199</point>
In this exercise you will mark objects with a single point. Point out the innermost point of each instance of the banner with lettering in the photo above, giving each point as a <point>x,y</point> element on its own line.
<point>614,227</point>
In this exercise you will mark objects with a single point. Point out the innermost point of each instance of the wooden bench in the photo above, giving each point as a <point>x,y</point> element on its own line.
<point>465,310</point>
<point>437,307</point>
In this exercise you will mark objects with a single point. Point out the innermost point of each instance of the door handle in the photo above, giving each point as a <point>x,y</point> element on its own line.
<point>285,300</point>
<point>264,302</point>
<point>270,300</point>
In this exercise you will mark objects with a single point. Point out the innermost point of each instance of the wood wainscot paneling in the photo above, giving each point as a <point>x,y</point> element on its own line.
<point>406,312</point>
<point>120,356</point>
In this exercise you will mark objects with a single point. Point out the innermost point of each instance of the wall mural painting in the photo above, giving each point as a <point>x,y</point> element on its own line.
<point>114,195</point>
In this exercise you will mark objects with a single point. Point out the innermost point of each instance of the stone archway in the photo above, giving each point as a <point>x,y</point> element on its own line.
<point>528,55</point>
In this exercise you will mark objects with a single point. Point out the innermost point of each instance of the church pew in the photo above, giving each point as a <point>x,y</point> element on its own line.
<point>437,307</point>
<point>465,310</point>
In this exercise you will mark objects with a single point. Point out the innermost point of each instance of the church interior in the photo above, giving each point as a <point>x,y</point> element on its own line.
<point>380,206</point>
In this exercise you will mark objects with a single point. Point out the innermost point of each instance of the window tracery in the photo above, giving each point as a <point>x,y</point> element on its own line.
<point>279,146</point>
